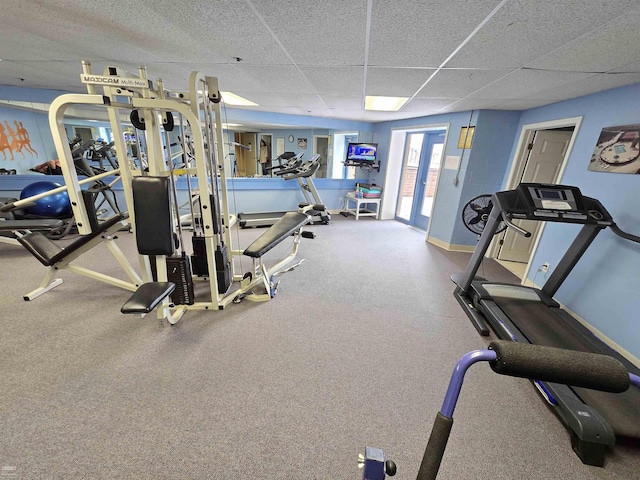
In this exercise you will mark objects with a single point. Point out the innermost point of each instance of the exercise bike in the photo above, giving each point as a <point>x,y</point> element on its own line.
<point>580,369</point>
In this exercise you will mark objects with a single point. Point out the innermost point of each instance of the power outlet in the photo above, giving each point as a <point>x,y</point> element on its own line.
<point>545,267</point>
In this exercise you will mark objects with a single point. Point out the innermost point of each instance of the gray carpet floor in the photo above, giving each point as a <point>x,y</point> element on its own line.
<point>355,350</point>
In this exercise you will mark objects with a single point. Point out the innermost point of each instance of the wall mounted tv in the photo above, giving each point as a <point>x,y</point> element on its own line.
<point>362,155</point>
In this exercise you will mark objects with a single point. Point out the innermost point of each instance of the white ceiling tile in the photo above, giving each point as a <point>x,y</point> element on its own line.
<point>523,30</point>
<point>427,106</point>
<point>410,33</point>
<point>396,82</point>
<point>587,86</point>
<point>307,57</point>
<point>347,103</point>
<point>456,83</point>
<point>312,32</point>
<point>370,116</point>
<point>523,104</point>
<point>335,80</point>
<point>524,83</point>
<point>601,50</point>
<point>461,105</point>
<point>629,67</point>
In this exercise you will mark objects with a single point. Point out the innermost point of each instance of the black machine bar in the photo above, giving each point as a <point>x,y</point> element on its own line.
<point>623,234</point>
<point>514,227</point>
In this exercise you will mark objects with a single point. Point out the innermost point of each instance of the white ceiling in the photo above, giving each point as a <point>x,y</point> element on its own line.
<point>320,58</point>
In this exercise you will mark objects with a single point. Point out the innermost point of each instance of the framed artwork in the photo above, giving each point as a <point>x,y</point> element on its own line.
<point>279,146</point>
<point>302,143</point>
<point>617,150</point>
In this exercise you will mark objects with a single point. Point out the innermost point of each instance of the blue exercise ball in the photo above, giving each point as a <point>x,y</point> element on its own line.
<point>56,205</point>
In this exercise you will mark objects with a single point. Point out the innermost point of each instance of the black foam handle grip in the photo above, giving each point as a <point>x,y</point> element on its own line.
<point>557,365</point>
<point>435,448</point>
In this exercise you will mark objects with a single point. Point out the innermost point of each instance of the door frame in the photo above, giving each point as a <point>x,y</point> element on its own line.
<point>517,167</point>
<point>262,136</point>
<point>430,139</point>
<point>337,153</point>
<point>393,172</point>
<point>315,150</point>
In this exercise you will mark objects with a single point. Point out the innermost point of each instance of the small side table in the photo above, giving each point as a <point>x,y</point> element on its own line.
<point>366,211</point>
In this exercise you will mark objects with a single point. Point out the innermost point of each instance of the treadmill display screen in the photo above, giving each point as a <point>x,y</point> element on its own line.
<point>551,194</point>
<point>558,198</point>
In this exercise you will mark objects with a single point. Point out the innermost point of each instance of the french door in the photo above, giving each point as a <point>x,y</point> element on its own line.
<point>421,166</point>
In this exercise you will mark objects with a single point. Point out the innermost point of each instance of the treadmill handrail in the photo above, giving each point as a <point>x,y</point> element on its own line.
<point>519,230</point>
<point>621,233</point>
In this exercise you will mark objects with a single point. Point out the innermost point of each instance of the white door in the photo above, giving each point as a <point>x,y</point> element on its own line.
<point>545,159</point>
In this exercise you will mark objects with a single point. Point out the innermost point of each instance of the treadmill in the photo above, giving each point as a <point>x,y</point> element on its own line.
<point>302,173</point>
<point>525,314</point>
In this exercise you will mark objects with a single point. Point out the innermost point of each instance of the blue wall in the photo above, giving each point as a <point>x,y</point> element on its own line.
<point>245,194</point>
<point>41,141</point>
<point>603,287</point>
<point>481,168</point>
<point>248,194</point>
<point>297,133</point>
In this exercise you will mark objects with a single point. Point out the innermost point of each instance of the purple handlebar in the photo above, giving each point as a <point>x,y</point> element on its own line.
<point>455,384</point>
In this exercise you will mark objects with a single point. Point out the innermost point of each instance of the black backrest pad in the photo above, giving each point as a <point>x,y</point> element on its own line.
<point>49,253</point>
<point>153,218</point>
<point>285,226</point>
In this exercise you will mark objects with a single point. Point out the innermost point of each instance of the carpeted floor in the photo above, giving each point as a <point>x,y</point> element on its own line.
<point>355,350</point>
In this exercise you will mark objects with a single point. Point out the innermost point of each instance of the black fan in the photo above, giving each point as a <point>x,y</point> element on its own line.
<point>476,213</point>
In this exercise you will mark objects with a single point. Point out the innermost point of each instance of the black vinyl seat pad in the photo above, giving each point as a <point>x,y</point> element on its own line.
<point>147,297</point>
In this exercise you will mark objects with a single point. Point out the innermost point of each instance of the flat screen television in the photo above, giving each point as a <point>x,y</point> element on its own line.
<point>362,154</point>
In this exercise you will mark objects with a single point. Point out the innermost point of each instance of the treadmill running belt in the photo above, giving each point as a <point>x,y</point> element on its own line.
<point>543,327</point>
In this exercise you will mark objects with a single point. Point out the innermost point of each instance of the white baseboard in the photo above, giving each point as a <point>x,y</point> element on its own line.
<point>450,246</point>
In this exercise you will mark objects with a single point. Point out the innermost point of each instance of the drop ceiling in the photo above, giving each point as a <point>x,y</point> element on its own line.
<point>321,58</point>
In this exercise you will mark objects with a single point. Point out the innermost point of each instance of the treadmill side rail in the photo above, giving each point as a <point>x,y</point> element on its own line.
<point>590,433</point>
<point>467,305</point>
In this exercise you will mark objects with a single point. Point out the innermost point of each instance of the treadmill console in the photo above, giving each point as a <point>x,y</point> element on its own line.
<point>559,203</point>
<point>546,198</point>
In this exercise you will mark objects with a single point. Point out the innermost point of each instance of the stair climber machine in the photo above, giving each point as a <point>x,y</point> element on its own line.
<point>530,315</point>
<point>302,173</point>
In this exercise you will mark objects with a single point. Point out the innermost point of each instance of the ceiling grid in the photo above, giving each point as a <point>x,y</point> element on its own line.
<point>322,58</point>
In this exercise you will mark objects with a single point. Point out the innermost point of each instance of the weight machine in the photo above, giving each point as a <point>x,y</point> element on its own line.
<point>151,194</point>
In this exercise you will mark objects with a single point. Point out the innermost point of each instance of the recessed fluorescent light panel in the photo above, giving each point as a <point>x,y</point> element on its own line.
<point>233,99</point>
<point>384,104</point>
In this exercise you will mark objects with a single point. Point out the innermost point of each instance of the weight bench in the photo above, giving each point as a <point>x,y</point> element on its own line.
<point>9,229</point>
<point>284,227</point>
<point>290,223</point>
<point>56,258</point>
<point>9,225</point>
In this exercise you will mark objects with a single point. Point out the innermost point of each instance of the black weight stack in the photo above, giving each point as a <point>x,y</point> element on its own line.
<point>179,272</point>
<point>201,269</point>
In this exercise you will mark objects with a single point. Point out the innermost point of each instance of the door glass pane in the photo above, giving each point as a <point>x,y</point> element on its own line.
<point>409,174</point>
<point>432,179</point>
